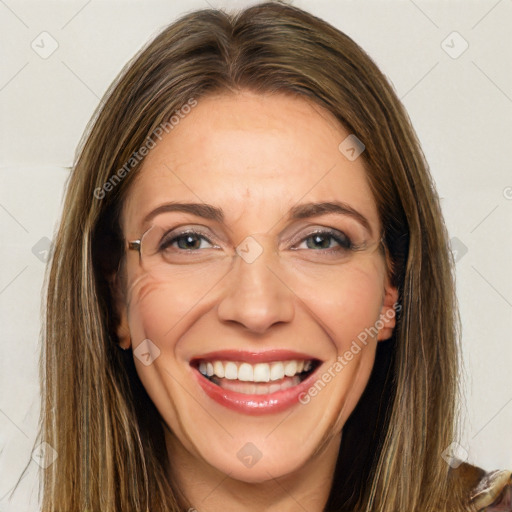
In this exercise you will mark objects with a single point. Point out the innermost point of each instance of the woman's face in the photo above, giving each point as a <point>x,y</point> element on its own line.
<point>282,301</point>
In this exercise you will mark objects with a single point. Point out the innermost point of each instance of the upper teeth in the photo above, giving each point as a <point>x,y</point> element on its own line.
<point>260,372</point>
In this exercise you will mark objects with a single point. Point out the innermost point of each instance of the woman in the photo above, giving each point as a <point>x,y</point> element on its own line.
<point>251,301</point>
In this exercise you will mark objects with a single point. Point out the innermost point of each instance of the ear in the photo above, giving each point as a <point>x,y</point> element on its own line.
<point>388,312</point>
<point>119,305</point>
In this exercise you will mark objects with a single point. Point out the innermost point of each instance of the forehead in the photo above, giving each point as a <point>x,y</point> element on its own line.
<point>253,155</point>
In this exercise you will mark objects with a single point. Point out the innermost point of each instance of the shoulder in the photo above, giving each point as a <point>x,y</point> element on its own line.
<point>488,491</point>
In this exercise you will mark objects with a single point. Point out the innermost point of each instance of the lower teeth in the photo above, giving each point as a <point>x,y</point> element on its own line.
<point>252,388</point>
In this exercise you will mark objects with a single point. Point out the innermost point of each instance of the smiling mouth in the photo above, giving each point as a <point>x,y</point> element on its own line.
<point>256,379</point>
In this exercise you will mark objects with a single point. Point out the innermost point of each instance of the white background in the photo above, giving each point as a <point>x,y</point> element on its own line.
<point>460,107</point>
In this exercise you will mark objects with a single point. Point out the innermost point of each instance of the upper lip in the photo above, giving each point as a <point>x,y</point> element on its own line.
<point>266,356</point>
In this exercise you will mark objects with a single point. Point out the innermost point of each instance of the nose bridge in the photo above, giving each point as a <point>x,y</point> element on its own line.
<point>256,253</point>
<point>255,296</point>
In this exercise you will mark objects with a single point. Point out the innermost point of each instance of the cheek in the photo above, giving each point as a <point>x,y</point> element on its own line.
<point>358,306</point>
<point>345,300</point>
<point>348,311</point>
<point>155,315</point>
<point>157,306</point>
<point>149,316</point>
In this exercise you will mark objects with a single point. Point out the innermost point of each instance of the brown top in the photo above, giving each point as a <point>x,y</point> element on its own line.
<point>489,491</point>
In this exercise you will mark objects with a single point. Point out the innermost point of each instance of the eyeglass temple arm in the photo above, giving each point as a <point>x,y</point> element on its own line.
<point>134,246</point>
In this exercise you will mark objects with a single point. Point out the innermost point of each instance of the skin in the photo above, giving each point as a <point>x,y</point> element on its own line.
<point>255,156</point>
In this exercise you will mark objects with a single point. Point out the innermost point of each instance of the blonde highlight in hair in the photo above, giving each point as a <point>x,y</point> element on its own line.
<point>95,412</point>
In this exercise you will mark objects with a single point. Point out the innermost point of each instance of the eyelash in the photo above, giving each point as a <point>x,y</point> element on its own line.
<point>345,243</point>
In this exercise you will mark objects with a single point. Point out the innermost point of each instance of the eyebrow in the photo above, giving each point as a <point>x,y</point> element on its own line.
<point>301,211</point>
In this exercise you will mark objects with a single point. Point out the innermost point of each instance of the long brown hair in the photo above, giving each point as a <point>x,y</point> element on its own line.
<point>95,412</point>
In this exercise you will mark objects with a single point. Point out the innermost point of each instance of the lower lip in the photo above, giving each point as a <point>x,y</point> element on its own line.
<point>255,404</point>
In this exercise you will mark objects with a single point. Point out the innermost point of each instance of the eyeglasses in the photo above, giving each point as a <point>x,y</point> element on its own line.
<point>162,248</point>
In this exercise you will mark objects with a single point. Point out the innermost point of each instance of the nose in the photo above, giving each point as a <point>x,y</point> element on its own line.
<point>256,295</point>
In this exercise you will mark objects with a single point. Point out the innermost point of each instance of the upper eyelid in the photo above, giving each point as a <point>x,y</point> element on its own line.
<point>319,229</point>
<point>182,230</point>
<point>171,235</point>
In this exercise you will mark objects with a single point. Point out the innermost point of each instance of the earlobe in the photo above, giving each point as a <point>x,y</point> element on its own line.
<point>123,332</point>
<point>387,320</point>
<point>119,304</point>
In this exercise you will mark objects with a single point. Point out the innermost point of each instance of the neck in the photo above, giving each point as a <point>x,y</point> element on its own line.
<point>206,489</point>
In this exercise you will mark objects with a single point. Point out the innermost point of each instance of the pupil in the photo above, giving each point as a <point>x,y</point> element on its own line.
<point>191,242</point>
<point>318,240</point>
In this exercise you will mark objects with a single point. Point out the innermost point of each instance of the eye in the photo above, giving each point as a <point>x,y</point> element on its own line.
<point>188,240</point>
<point>322,239</point>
